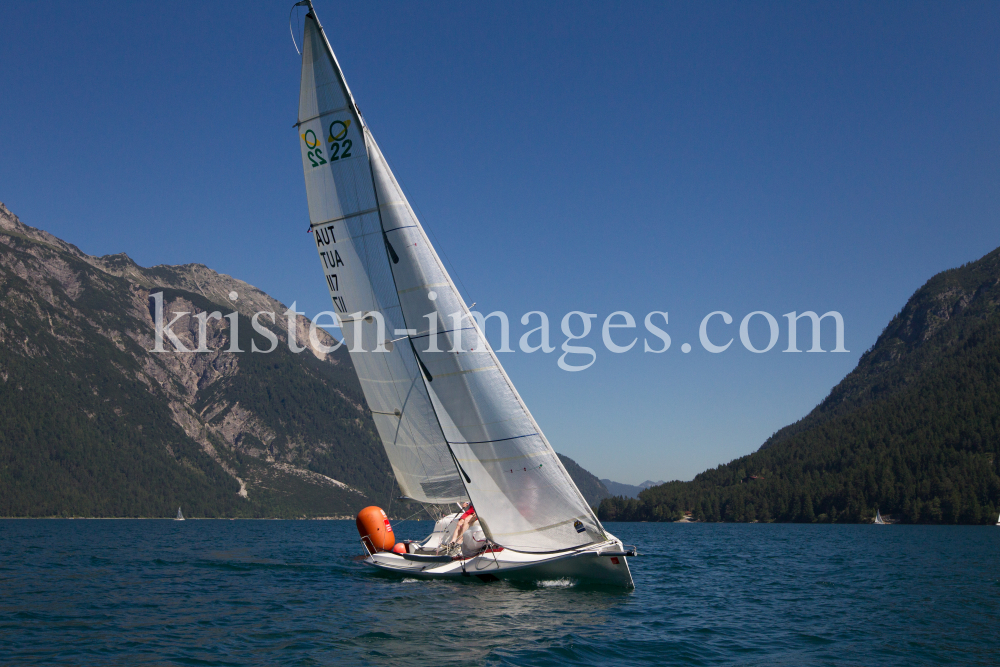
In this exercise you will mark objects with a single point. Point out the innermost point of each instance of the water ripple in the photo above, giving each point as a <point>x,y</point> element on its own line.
<point>274,592</point>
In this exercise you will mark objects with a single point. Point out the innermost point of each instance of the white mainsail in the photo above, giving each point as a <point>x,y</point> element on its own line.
<point>450,419</point>
<point>344,214</point>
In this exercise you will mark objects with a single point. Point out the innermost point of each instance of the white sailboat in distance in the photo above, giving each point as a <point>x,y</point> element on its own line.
<point>180,517</point>
<point>878,518</point>
<point>452,423</point>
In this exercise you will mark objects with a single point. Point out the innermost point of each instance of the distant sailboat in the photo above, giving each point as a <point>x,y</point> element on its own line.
<point>880,522</point>
<point>180,517</point>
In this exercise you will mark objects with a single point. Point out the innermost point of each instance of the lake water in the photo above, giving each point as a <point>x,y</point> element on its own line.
<point>289,593</point>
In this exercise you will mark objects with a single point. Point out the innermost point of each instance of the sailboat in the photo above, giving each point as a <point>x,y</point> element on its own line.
<point>453,426</point>
<point>180,517</point>
<point>878,519</point>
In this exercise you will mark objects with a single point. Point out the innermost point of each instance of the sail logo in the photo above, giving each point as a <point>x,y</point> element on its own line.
<point>315,152</point>
<point>338,129</point>
<point>338,145</point>
<point>310,138</point>
<point>336,136</point>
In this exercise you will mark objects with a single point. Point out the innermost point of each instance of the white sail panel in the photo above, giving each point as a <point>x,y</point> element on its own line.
<point>344,215</point>
<point>523,495</point>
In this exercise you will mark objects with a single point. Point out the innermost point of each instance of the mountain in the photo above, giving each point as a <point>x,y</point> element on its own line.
<point>592,489</point>
<point>913,430</point>
<point>95,424</point>
<point>628,490</point>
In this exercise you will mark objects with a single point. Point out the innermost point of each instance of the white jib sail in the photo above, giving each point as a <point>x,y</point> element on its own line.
<point>456,404</point>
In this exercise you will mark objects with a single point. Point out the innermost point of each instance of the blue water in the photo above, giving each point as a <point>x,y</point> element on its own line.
<point>289,593</point>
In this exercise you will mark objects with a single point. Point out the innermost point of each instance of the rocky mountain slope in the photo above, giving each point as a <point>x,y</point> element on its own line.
<point>914,430</point>
<point>95,424</point>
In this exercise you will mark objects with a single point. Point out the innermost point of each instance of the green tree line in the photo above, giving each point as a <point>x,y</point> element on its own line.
<point>914,432</point>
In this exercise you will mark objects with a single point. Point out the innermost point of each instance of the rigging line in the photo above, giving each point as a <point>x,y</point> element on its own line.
<point>493,550</point>
<point>402,521</point>
<point>446,331</point>
<point>290,31</point>
<point>424,506</point>
<point>414,514</point>
<point>389,487</point>
<point>399,425</point>
<point>490,546</point>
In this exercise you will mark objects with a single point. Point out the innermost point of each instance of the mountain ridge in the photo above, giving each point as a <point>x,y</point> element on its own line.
<point>95,424</point>
<point>913,430</point>
<point>628,490</point>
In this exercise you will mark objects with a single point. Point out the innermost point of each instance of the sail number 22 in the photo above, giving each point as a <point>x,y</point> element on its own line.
<point>340,145</point>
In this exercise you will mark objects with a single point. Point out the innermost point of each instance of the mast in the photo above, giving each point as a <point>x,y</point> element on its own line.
<point>336,63</point>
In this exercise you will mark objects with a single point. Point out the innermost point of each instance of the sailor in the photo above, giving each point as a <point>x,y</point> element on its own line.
<point>464,522</point>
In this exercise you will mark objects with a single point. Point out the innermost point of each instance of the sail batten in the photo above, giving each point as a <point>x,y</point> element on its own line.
<point>452,423</point>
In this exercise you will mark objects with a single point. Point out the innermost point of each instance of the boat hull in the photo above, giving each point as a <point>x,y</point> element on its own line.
<point>605,564</point>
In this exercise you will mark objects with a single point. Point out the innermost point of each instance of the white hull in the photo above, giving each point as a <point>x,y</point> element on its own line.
<point>604,563</point>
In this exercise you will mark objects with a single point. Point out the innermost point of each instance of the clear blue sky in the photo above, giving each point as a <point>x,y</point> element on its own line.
<point>686,157</point>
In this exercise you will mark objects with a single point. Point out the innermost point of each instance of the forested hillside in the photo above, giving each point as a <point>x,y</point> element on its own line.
<point>590,486</point>
<point>914,430</point>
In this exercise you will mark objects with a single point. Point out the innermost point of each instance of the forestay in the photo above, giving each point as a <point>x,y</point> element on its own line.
<point>456,404</point>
